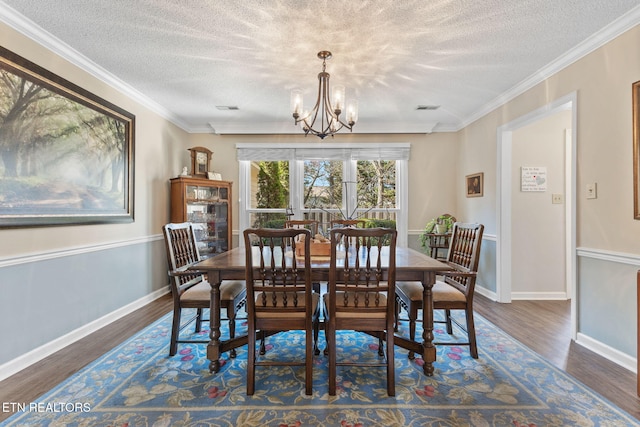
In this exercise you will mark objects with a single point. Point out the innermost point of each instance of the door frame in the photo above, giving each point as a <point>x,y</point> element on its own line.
<point>503,193</point>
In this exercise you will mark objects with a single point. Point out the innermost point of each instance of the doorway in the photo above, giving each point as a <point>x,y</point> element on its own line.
<point>505,203</point>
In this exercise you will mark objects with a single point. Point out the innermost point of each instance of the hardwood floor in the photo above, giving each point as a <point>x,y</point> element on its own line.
<point>544,326</point>
<point>28,384</point>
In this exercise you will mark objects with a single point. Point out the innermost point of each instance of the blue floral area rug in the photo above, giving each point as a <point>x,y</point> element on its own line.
<point>138,384</point>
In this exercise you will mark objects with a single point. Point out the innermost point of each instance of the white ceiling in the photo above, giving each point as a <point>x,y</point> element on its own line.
<point>183,58</point>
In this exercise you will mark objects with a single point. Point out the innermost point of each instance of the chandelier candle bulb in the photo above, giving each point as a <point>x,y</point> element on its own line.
<point>296,102</point>
<point>352,112</point>
<point>338,99</point>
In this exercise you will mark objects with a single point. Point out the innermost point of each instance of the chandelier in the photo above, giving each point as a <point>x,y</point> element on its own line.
<point>324,119</point>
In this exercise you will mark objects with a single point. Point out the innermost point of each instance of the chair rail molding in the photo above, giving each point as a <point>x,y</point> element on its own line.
<point>606,255</point>
<point>76,250</point>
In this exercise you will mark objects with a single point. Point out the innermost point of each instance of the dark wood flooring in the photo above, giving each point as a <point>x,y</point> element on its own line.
<point>544,326</point>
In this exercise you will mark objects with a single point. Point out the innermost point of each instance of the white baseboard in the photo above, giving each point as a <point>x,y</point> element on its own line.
<point>539,296</point>
<point>597,347</point>
<point>486,292</point>
<point>37,354</point>
<point>616,356</point>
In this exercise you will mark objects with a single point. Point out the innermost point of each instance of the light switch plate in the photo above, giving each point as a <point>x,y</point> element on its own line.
<point>592,191</point>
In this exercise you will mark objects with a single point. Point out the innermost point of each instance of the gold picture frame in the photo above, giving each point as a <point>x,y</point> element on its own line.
<point>635,87</point>
<point>475,184</point>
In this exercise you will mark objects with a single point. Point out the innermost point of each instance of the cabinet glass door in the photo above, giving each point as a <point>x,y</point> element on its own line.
<point>207,210</point>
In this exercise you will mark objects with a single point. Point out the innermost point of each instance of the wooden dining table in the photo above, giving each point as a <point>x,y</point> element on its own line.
<point>411,265</point>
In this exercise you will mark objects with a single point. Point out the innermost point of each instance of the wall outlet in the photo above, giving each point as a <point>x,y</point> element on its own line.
<point>557,199</point>
<point>592,191</point>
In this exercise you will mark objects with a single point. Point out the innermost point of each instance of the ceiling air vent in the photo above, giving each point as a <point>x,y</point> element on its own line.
<point>227,107</point>
<point>428,107</point>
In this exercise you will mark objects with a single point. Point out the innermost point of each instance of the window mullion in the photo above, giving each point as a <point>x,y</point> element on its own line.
<point>350,193</point>
<point>296,187</point>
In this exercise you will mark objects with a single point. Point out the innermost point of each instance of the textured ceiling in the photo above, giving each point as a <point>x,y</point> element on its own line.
<point>187,57</point>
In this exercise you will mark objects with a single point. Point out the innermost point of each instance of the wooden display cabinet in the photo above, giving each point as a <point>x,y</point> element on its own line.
<point>207,205</point>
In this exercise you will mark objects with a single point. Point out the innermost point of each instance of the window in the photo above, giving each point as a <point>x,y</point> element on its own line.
<point>269,193</point>
<point>328,182</point>
<point>322,184</point>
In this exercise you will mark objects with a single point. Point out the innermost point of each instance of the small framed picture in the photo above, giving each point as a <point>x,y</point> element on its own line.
<point>475,184</point>
<point>214,175</point>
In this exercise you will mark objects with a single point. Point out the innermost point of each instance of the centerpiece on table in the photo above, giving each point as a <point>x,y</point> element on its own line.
<point>320,246</point>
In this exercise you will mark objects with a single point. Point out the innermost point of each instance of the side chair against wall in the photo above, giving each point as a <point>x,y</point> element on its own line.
<point>279,294</point>
<point>190,288</point>
<point>455,291</point>
<point>357,299</point>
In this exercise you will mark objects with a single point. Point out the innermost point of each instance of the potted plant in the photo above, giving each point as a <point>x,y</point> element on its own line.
<point>439,225</point>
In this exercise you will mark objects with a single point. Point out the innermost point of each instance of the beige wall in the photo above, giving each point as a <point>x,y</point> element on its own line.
<point>81,277</point>
<point>603,82</point>
<point>607,234</point>
<point>433,185</point>
<point>538,225</point>
<point>155,138</point>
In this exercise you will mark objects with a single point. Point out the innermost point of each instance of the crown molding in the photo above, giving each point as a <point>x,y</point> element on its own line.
<point>597,40</point>
<point>31,30</point>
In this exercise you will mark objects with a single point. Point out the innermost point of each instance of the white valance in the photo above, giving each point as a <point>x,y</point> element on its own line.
<point>389,151</point>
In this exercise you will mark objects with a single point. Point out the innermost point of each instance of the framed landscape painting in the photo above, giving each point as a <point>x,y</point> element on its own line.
<point>66,155</point>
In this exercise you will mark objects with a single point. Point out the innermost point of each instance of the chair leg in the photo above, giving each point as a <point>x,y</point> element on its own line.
<point>413,316</point>
<point>316,333</point>
<point>308,365</point>
<point>231,314</point>
<point>397,318</point>
<point>251,361</point>
<point>175,330</point>
<point>263,348</point>
<point>380,347</point>
<point>326,333</point>
<point>448,320</point>
<point>391,376</point>
<point>331,348</point>
<point>471,332</point>
<point>199,320</point>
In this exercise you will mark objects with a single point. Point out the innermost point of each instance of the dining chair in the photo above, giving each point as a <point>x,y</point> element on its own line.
<point>190,288</point>
<point>310,224</point>
<point>280,296</point>
<point>454,291</point>
<point>337,223</point>
<point>361,277</point>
